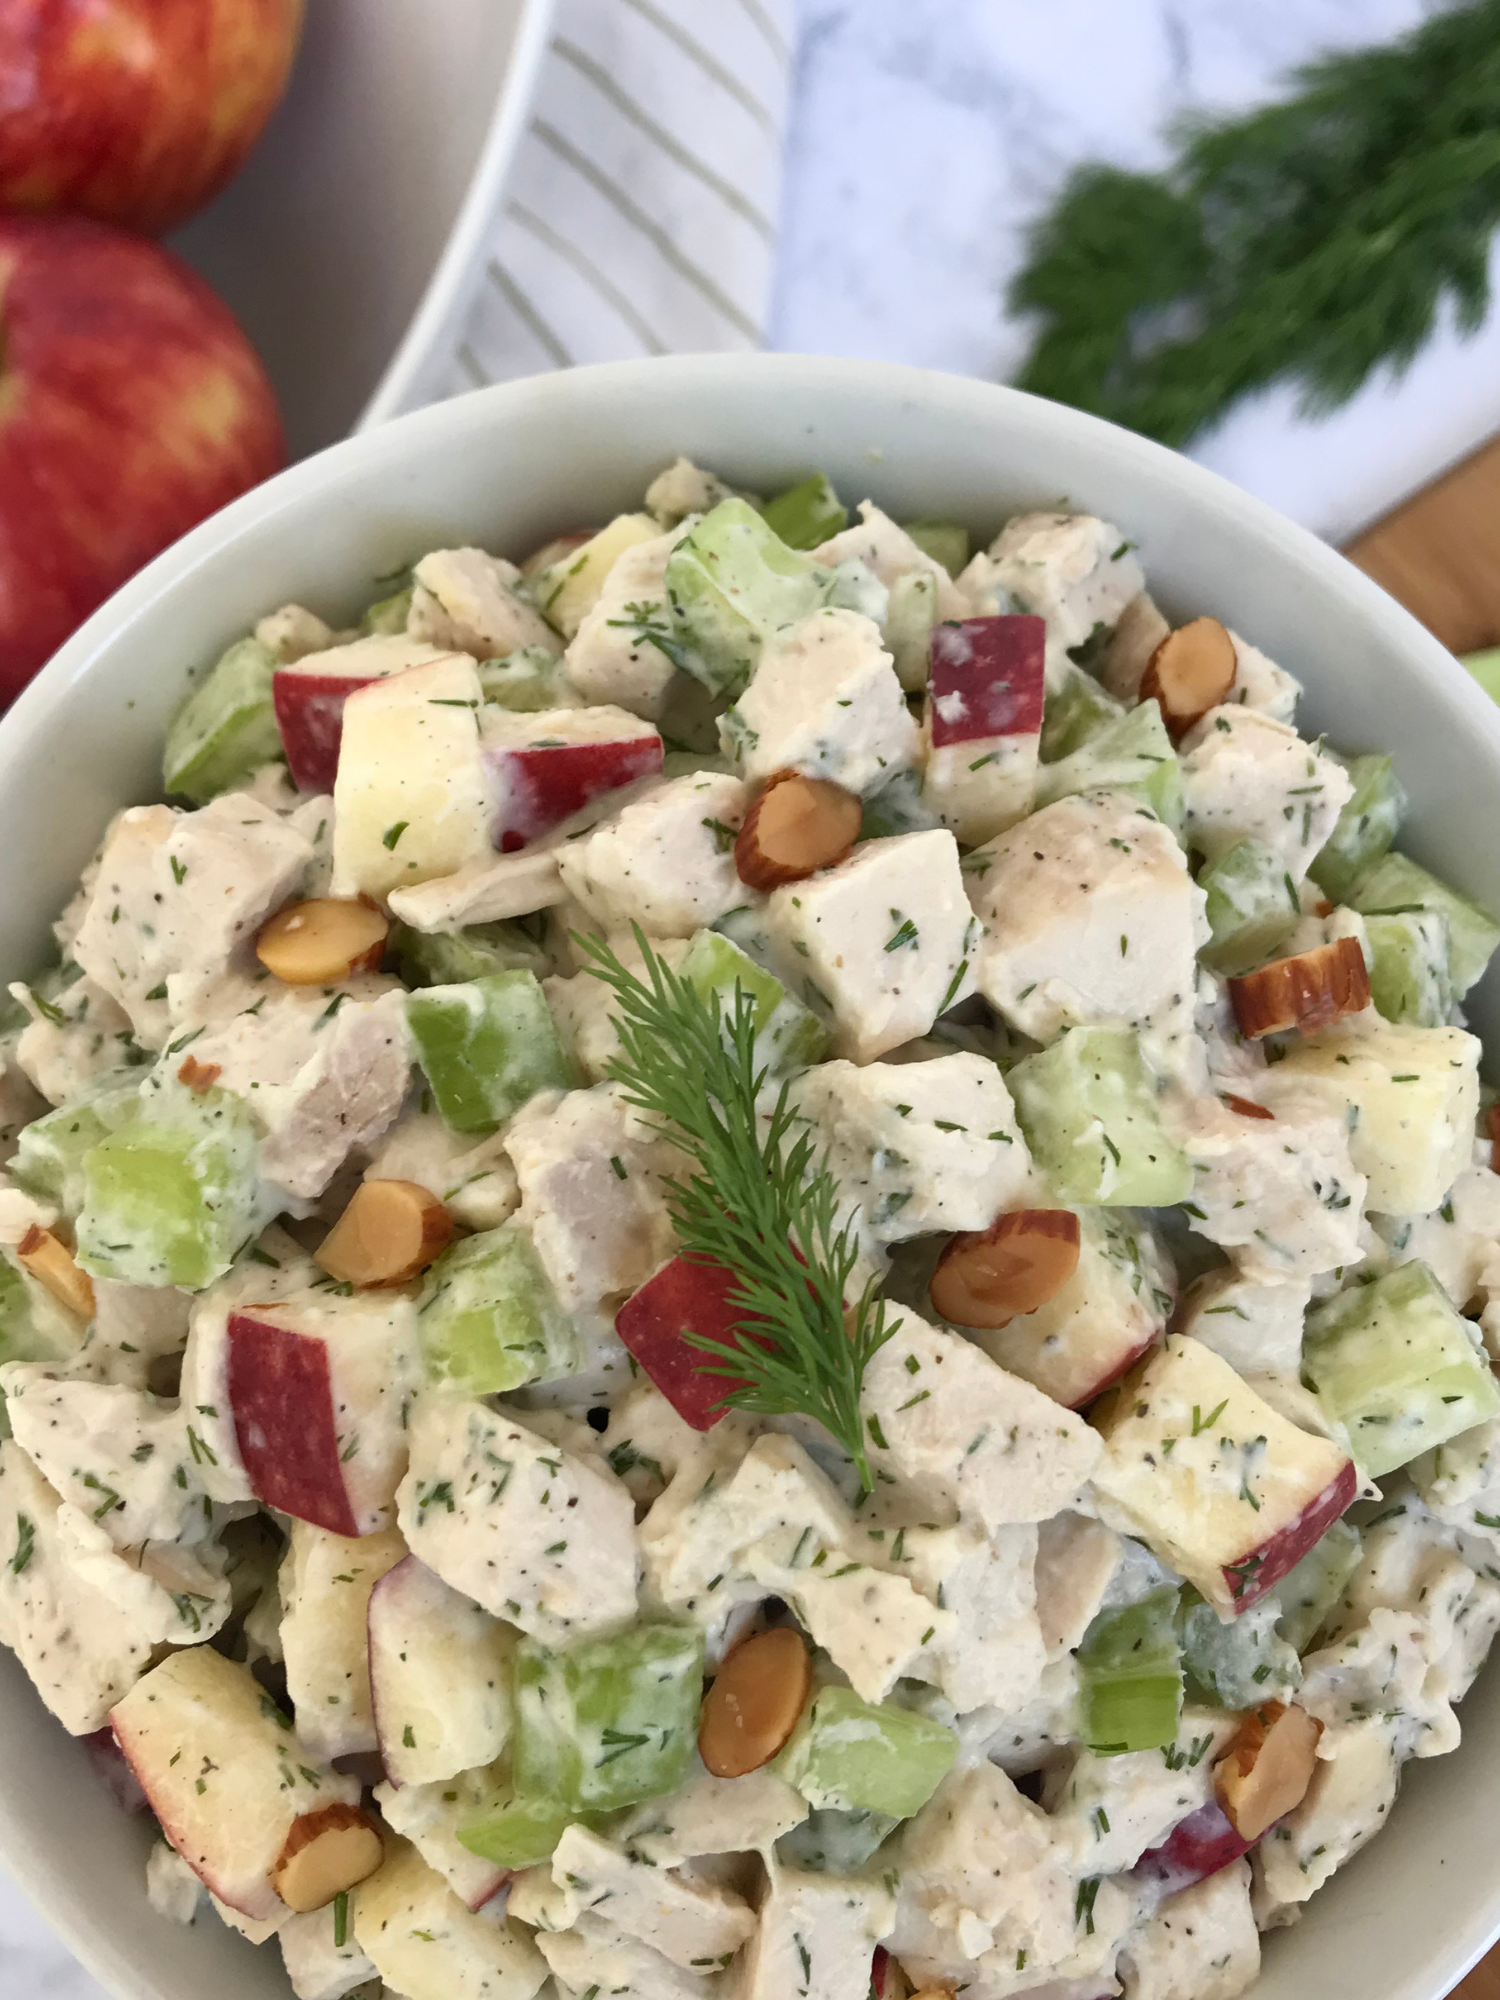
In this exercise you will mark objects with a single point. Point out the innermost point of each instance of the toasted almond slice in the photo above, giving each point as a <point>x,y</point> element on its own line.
<point>1268,1768</point>
<point>199,1077</point>
<point>989,1277</point>
<point>324,1853</point>
<point>554,551</point>
<point>308,944</point>
<point>1310,990</point>
<point>753,1705</point>
<point>390,1231</point>
<point>1245,1108</point>
<point>51,1263</point>
<point>795,826</point>
<point>1191,671</point>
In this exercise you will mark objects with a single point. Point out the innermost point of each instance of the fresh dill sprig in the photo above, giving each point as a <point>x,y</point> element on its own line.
<point>761,1204</point>
<point>1311,241</point>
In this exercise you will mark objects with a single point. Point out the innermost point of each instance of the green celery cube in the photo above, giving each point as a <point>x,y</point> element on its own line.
<point>1130,1676</point>
<point>516,1833</point>
<point>528,680</point>
<point>1308,1592</point>
<point>226,728</point>
<point>788,1035</point>
<point>171,1194</point>
<point>1236,1665</point>
<point>449,958</point>
<point>859,1756</point>
<point>1365,829</point>
<point>1409,967</point>
<point>387,615</point>
<point>489,1320</point>
<point>947,542</point>
<point>730,584</point>
<point>911,614</point>
<point>808,514</point>
<point>1399,1366</point>
<point>1396,886</point>
<point>611,1721</point>
<point>1131,754</point>
<point>835,1843</point>
<point>50,1152</point>
<point>1076,710</point>
<point>486,1046</point>
<point>1252,907</point>
<point>1087,1106</point>
<point>33,1326</point>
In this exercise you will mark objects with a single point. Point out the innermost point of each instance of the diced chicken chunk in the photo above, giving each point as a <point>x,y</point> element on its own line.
<point>1246,776</point>
<point>1074,570</point>
<point>466,600</point>
<point>1200,1944</point>
<point>666,862</point>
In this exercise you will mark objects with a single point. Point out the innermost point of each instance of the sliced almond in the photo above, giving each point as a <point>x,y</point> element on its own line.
<point>51,1263</point>
<point>1268,1768</point>
<point>753,1705</point>
<point>1310,990</point>
<point>555,551</point>
<point>199,1076</point>
<point>310,944</point>
<point>795,826</point>
<point>325,1853</point>
<point>991,1276</point>
<point>1191,671</point>
<point>390,1231</point>
<point>1244,1107</point>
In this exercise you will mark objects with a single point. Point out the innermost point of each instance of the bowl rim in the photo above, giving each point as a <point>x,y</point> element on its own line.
<point>376,454</point>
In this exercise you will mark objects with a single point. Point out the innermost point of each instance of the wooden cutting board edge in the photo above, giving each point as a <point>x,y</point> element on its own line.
<point>1438,553</point>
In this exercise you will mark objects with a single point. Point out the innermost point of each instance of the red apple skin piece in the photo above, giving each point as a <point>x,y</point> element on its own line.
<point>310,715</point>
<point>683,1297</point>
<point>131,408</point>
<point>994,666</point>
<point>136,112</point>
<point>281,1396</point>
<point>1197,1847</point>
<point>1121,1367</point>
<point>1248,1581</point>
<point>540,788</point>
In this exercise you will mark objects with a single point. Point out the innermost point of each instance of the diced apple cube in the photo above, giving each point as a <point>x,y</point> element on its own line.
<point>1103,1318</point>
<point>427,1946</point>
<point>412,797</point>
<point>1248,777</point>
<point>310,692</point>
<point>1090,916</point>
<point>1410,1096</point>
<point>536,1535</point>
<point>666,862</point>
<point>439,1672</point>
<point>319,1391</point>
<point>570,588</point>
<point>884,941</point>
<point>325,1587</point>
<point>223,1773</point>
<point>1197,1847</point>
<point>429,1816</point>
<point>983,723</point>
<point>1211,1478</point>
<point>685,1297</point>
<point>548,766</point>
<point>824,701</point>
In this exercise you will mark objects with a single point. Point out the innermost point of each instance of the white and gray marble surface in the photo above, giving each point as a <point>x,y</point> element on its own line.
<point>925,136</point>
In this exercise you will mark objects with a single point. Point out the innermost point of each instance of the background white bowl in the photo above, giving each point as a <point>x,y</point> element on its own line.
<point>508,468</point>
<point>353,241</point>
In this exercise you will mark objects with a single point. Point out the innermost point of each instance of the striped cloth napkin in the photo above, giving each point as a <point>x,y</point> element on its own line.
<point>640,215</point>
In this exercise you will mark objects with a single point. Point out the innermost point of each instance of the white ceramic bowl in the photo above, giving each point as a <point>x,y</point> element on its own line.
<point>353,241</point>
<point>508,468</point>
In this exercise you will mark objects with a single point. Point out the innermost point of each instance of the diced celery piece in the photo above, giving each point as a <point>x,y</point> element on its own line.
<point>1087,1106</point>
<point>33,1326</point>
<point>1307,1593</point>
<point>789,1036</point>
<point>1252,907</point>
<point>860,1756</point>
<point>1240,1664</point>
<point>1398,1366</point>
<point>387,616</point>
<point>50,1152</point>
<point>911,614</point>
<point>486,1046</point>
<point>446,958</point>
<point>1130,1676</point>
<point>528,680</point>
<point>489,1320</point>
<point>1366,827</point>
<point>1133,754</point>
<point>171,1194</point>
<point>517,1832</point>
<point>1395,886</point>
<point>745,927</point>
<point>1409,967</point>
<point>947,542</point>
<point>730,583</point>
<point>897,808</point>
<point>226,728</point>
<point>807,514</point>
<point>835,1843</point>
<point>1076,711</point>
<point>611,1721</point>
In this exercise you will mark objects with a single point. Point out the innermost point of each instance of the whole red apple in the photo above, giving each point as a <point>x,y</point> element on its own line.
<point>131,407</point>
<point>135,111</point>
